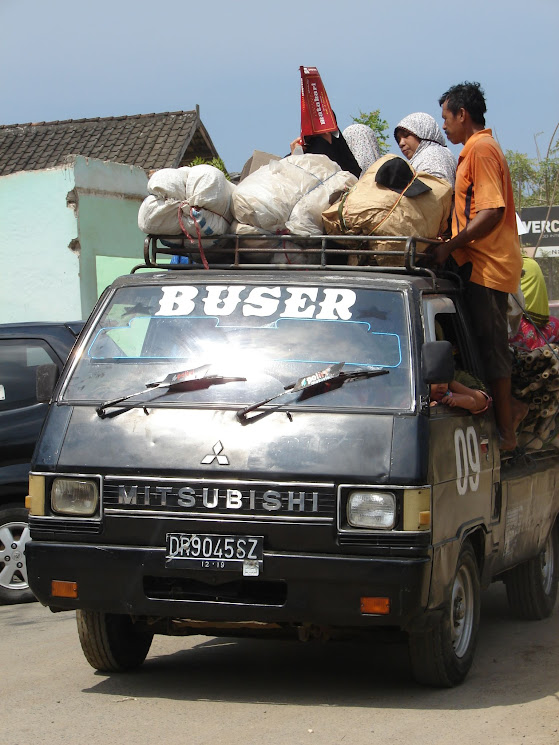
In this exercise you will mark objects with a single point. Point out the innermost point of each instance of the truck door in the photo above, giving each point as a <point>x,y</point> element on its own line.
<point>462,455</point>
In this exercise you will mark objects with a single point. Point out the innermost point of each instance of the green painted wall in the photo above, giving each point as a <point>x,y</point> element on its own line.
<point>65,234</point>
<point>40,274</point>
<point>109,196</point>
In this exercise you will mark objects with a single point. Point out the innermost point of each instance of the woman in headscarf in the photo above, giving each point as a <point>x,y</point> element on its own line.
<point>537,327</point>
<point>363,144</point>
<point>420,139</point>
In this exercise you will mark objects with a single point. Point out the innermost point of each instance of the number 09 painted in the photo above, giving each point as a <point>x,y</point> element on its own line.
<point>466,447</point>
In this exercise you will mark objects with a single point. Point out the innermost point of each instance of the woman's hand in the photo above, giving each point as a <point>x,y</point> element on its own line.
<point>297,142</point>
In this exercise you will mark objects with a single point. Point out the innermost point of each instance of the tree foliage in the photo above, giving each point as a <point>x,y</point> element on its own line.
<point>535,180</point>
<point>379,126</point>
<point>215,162</point>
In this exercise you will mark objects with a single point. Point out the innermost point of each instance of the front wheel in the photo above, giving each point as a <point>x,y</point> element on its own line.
<point>14,535</point>
<point>112,643</point>
<point>532,586</point>
<point>443,654</point>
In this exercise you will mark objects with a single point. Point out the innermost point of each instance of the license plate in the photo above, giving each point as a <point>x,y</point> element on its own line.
<point>208,551</point>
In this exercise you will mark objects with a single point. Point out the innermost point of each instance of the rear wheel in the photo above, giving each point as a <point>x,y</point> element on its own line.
<point>532,586</point>
<point>14,534</point>
<point>112,643</point>
<point>443,654</point>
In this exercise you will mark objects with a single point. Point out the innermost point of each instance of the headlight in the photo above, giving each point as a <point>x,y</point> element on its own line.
<point>371,509</point>
<point>74,497</point>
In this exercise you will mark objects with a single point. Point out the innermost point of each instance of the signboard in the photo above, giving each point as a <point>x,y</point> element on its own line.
<point>539,226</point>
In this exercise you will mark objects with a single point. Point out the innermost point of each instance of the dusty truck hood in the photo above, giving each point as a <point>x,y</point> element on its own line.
<point>382,448</point>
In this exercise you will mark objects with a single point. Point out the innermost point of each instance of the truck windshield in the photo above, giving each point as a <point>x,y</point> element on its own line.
<point>266,336</point>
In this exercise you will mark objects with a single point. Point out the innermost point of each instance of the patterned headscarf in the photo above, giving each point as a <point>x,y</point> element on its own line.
<point>432,154</point>
<point>363,144</point>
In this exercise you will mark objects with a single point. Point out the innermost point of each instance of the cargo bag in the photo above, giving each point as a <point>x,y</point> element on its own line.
<point>193,201</point>
<point>290,194</point>
<point>391,199</point>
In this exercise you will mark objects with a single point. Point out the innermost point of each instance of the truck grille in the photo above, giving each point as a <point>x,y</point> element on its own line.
<point>223,499</point>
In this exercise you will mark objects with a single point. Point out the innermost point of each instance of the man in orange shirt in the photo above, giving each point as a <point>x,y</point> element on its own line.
<point>484,233</point>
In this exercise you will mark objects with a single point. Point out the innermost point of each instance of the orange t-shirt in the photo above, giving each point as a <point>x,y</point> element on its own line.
<point>483,182</point>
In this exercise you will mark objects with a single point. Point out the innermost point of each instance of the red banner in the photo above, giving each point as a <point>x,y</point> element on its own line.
<point>317,116</point>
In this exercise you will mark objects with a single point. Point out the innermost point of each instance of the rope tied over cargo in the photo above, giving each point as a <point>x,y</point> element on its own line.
<point>194,218</point>
<point>386,216</point>
<point>198,233</point>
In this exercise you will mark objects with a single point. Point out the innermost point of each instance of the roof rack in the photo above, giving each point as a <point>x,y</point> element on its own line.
<point>325,251</point>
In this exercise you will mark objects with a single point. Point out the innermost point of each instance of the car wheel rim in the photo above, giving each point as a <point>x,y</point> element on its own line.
<point>547,557</point>
<point>462,611</point>
<point>13,570</point>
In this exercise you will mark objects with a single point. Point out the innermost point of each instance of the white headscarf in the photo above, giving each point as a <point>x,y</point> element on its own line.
<point>363,144</point>
<point>432,154</point>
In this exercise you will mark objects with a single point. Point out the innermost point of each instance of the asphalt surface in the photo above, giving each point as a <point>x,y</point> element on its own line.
<point>206,691</point>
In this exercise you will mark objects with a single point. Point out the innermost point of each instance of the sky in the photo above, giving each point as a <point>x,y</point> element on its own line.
<point>239,61</point>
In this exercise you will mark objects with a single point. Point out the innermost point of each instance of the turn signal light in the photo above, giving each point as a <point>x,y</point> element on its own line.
<point>376,606</point>
<point>424,519</point>
<point>62,589</point>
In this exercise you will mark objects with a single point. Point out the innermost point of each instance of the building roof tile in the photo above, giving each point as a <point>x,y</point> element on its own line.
<point>150,141</point>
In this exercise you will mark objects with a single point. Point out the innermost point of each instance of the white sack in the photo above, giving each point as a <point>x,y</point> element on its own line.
<point>201,190</point>
<point>159,216</point>
<point>169,183</point>
<point>306,216</point>
<point>290,193</point>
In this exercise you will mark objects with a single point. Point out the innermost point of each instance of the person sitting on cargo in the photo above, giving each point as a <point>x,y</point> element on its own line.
<point>455,394</point>
<point>331,144</point>
<point>363,144</point>
<point>420,139</point>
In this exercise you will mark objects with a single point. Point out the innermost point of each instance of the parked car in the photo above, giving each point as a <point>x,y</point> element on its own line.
<point>23,348</point>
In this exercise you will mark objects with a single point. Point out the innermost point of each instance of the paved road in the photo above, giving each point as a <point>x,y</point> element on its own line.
<point>205,691</point>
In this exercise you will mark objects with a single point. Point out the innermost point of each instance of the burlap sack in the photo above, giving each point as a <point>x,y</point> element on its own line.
<point>372,209</point>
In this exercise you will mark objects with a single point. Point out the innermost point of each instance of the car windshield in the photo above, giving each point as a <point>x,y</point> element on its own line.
<point>265,336</point>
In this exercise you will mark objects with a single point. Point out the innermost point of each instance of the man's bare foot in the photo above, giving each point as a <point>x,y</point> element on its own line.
<point>519,411</point>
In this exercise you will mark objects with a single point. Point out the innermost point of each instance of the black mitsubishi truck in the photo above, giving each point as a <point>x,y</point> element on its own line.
<point>250,450</point>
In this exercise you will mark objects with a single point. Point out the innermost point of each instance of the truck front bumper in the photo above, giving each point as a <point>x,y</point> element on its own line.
<point>291,588</point>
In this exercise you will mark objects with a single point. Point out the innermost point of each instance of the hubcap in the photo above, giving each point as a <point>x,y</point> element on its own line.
<point>13,572</point>
<point>462,612</point>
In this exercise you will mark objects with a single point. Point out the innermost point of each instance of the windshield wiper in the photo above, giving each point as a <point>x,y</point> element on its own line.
<point>331,377</point>
<point>191,379</point>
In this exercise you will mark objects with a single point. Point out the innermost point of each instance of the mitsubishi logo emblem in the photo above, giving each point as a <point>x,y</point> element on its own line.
<point>222,460</point>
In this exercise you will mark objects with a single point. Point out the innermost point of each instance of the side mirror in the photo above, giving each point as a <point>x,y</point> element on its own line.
<point>437,362</point>
<point>46,378</point>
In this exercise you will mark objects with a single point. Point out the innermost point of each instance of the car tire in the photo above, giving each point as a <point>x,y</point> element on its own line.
<point>14,534</point>
<point>442,655</point>
<point>112,643</point>
<point>532,585</point>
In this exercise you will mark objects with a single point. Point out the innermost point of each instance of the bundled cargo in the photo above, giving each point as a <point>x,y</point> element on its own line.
<point>290,194</point>
<point>391,199</point>
<point>193,200</point>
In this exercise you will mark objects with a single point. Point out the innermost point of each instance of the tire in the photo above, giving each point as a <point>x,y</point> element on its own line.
<point>532,586</point>
<point>442,655</point>
<point>14,534</point>
<point>112,643</point>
